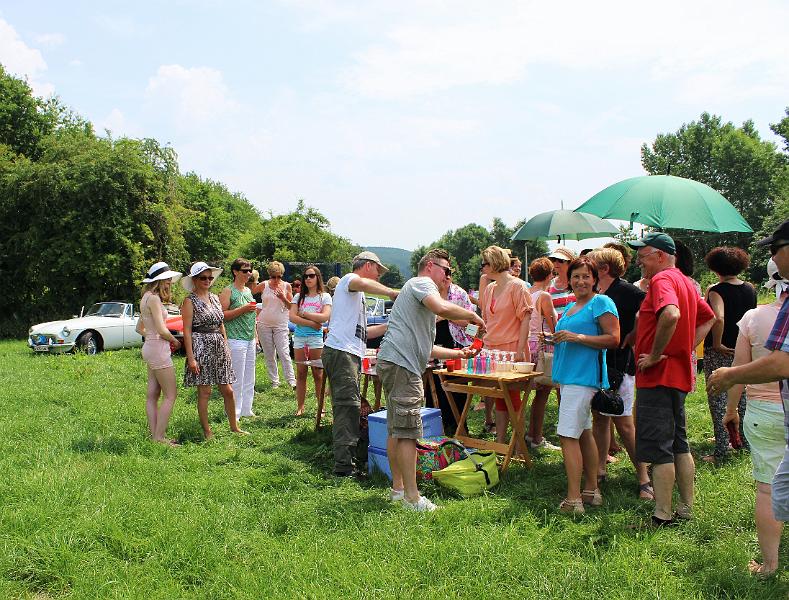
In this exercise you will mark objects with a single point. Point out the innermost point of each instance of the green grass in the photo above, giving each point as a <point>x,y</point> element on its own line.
<point>91,509</point>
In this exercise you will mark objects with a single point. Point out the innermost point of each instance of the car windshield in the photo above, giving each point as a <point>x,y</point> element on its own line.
<point>372,307</point>
<point>106,309</point>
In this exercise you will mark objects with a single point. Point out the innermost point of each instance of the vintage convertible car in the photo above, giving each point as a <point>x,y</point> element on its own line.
<point>106,326</point>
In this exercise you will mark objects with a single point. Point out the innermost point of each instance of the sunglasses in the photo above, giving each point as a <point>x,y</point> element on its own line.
<point>310,276</point>
<point>447,270</point>
<point>205,278</point>
<point>559,260</point>
<point>246,270</point>
<point>483,265</point>
<point>774,248</point>
<point>275,276</point>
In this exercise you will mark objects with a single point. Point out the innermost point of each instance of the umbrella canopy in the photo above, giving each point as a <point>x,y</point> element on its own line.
<point>666,201</point>
<point>565,223</point>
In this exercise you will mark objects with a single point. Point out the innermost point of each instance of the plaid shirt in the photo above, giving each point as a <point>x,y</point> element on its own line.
<point>779,340</point>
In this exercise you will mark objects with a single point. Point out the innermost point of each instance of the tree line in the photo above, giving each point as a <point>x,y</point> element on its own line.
<point>82,216</point>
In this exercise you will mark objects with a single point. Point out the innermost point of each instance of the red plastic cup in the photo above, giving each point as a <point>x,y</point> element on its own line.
<point>734,435</point>
<point>450,362</point>
<point>476,344</point>
<point>365,364</point>
<point>458,364</point>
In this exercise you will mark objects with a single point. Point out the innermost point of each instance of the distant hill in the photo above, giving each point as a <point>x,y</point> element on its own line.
<point>394,256</point>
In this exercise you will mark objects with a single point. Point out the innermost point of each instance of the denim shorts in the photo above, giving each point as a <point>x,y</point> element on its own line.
<point>313,342</point>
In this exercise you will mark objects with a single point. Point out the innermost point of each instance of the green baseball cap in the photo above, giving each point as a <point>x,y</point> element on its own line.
<point>656,239</point>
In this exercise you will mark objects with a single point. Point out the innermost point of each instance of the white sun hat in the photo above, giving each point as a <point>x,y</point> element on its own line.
<point>775,281</point>
<point>159,271</point>
<point>196,269</point>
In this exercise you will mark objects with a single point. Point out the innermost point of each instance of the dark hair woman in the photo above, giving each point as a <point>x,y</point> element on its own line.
<point>238,306</point>
<point>585,330</point>
<point>309,310</point>
<point>730,299</point>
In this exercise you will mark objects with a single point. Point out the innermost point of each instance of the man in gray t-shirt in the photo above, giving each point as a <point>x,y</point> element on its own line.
<point>402,358</point>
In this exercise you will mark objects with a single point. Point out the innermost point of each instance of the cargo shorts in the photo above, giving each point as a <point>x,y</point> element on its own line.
<point>404,400</point>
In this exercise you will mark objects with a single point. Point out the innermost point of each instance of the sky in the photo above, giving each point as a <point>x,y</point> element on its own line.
<point>402,120</point>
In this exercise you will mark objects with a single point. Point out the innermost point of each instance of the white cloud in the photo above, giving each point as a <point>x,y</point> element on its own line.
<point>456,44</point>
<point>50,39</point>
<point>192,96</point>
<point>22,60</point>
<point>118,125</point>
<point>75,62</point>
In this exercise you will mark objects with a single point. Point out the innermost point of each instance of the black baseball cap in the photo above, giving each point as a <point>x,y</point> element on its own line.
<point>656,239</point>
<point>782,233</point>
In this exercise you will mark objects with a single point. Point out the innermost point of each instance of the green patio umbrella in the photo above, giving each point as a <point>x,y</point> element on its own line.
<point>566,224</point>
<point>665,201</point>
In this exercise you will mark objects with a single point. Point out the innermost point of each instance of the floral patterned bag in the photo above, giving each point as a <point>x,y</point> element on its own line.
<point>434,453</point>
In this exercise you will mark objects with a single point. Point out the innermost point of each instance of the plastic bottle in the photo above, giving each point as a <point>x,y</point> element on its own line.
<point>470,365</point>
<point>487,364</point>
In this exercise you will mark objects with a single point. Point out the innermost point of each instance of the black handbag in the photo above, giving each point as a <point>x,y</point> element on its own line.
<point>607,400</point>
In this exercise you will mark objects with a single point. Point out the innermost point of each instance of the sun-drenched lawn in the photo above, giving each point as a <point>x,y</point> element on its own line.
<point>92,509</point>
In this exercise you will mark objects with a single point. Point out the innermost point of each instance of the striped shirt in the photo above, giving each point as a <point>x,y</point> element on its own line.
<point>779,340</point>
<point>560,297</point>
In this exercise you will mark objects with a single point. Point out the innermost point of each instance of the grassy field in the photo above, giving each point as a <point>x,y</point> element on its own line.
<point>92,509</point>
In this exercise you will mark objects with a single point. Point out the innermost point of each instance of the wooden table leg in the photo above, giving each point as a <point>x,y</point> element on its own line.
<point>377,389</point>
<point>432,386</point>
<point>516,420</point>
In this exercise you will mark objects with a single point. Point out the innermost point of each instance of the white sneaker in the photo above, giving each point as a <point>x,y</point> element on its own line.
<point>421,505</point>
<point>544,445</point>
<point>396,495</point>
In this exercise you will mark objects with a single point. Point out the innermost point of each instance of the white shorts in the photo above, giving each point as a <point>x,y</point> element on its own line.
<point>627,390</point>
<point>575,410</point>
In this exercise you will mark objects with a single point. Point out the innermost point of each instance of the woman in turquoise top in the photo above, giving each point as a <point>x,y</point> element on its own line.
<point>587,327</point>
<point>310,309</point>
<point>238,306</point>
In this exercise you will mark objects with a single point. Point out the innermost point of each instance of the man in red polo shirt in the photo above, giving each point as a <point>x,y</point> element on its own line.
<point>673,319</point>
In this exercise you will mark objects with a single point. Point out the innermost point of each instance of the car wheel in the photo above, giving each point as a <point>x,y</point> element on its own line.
<point>88,343</point>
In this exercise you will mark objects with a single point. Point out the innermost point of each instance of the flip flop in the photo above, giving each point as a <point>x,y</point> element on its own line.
<point>646,488</point>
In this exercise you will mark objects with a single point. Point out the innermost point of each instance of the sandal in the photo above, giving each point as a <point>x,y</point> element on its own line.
<point>646,492</point>
<point>592,497</point>
<point>573,507</point>
<point>683,512</point>
<point>757,570</point>
<point>490,427</point>
<point>602,478</point>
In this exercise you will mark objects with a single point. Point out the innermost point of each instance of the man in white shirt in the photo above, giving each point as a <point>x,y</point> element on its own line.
<point>343,351</point>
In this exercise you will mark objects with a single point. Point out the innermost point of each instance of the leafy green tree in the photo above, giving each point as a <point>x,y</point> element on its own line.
<point>393,278</point>
<point>732,160</point>
<point>302,236</point>
<point>24,119</point>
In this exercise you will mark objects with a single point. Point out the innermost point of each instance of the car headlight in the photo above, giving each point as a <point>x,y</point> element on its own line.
<point>30,331</point>
<point>66,332</point>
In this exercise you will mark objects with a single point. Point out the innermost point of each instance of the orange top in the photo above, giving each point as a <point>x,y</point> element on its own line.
<point>503,313</point>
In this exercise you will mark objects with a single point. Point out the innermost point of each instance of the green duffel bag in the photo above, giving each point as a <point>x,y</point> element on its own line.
<point>471,475</point>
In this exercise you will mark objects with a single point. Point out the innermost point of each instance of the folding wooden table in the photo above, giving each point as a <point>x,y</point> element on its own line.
<point>492,385</point>
<point>367,376</point>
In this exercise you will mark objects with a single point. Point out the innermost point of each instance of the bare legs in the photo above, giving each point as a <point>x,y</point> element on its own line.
<point>402,461</point>
<point>301,377</point>
<point>537,414</point>
<point>161,382</point>
<point>768,530</point>
<point>203,394</point>
<point>580,457</point>
<point>663,476</point>
<point>601,428</point>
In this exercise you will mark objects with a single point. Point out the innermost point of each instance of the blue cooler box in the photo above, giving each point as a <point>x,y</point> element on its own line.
<point>378,461</point>
<point>431,425</point>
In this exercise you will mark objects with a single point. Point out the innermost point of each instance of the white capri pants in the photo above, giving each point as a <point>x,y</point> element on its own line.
<point>275,341</point>
<point>242,357</point>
